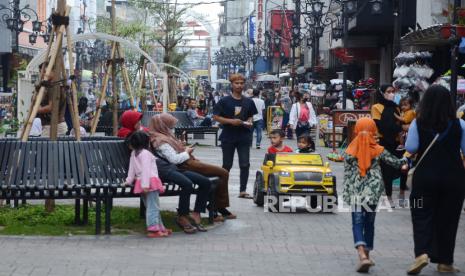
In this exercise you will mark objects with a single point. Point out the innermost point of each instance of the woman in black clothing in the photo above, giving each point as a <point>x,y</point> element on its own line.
<point>438,187</point>
<point>389,129</point>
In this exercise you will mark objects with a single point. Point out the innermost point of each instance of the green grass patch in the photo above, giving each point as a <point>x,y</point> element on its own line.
<point>34,220</point>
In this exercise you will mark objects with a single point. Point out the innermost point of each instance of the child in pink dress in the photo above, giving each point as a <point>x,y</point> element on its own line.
<point>143,173</point>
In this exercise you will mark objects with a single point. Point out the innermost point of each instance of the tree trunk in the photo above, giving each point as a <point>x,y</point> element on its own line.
<point>171,79</point>
<point>172,89</point>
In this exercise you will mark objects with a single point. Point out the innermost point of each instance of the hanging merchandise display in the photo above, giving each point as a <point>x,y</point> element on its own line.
<point>412,72</point>
<point>362,94</point>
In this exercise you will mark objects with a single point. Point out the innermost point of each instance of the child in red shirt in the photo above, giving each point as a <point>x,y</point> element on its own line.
<point>277,138</point>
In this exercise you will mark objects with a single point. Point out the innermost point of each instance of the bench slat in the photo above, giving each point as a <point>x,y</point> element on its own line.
<point>61,166</point>
<point>67,165</point>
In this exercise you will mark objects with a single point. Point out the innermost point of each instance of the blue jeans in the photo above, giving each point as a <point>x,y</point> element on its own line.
<point>363,226</point>
<point>301,130</point>
<point>152,208</point>
<point>186,180</point>
<point>258,127</point>
<point>207,122</point>
<point>285,128</point>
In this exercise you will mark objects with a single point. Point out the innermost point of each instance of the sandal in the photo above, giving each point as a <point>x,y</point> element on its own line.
<point>364,265</point>
<point>186,227</point>
<point>226,214</point>
<point>158,234</point>
<point>218,218</point>
<point>244,195</point>
<point>200,227</point>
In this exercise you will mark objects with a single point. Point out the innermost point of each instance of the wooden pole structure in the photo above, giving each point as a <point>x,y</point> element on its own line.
<point>103,92</point>
<point>41,78</point>
<point>165,91</point>
<point>74,99</point>
<point>116,52</point>
<point>56,93</point>
<point>48,73</point>
<point>113,72</point>
<point>115,97</point>
<point>124,71</point>
<point>143,95</point>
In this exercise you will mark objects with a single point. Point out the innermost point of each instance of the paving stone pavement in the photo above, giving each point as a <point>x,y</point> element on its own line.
<point>257,243</point>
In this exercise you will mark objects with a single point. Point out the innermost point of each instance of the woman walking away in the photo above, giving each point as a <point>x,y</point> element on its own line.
<point>438,185</point>
<point>363,186</point>
<point>143,173</point>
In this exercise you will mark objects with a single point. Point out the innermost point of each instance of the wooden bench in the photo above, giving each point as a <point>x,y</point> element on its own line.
<point>184,125</point>
<point>66,169</point>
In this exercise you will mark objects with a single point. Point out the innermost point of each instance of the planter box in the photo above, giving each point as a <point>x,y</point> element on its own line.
<point>446,31</point>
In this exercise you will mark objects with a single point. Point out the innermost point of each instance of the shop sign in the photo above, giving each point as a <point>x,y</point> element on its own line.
<point>342,117</point>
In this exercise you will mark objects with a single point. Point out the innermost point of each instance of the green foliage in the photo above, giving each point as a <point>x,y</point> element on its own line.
<point>9,125</point>
<point>34,220</point>
<point>123,28</point>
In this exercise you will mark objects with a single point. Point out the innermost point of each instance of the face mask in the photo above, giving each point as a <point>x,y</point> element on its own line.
<point>397,99</point>
<point>389,96</point>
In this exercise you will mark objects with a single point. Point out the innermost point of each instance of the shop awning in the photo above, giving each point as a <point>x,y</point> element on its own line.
<point>425,38</point>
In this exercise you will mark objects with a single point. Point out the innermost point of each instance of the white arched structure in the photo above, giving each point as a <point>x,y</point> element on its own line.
<point>25,81</point>
<point>33,66</point>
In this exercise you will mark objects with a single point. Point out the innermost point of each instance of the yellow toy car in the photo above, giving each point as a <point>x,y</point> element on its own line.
<point>293,174</point>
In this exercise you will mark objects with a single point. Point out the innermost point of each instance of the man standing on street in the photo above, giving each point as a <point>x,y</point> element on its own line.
<point>258,118</point>
<point>235,113</point>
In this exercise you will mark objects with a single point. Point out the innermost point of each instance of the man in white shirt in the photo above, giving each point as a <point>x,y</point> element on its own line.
<point>258,118</point>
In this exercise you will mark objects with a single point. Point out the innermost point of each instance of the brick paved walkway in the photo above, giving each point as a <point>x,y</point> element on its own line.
<point>257,243</point>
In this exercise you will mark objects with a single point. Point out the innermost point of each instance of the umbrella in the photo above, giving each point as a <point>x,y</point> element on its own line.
<point>264,78</point>
<point>222,81</point>
<point>339,81</point>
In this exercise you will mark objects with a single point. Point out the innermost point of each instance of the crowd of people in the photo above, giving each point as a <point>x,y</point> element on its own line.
<point>383,150</point>
<point>399,136</point>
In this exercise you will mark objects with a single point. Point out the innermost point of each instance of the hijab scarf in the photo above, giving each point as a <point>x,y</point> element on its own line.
<point>161,126</point>
<point>364,146</point>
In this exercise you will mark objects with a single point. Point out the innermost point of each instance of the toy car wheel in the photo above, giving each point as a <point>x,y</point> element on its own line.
<point>272,194</point>
<point>258,194</point>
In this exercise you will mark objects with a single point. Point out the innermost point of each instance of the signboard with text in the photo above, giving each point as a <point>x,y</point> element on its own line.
<point>342,117</point>
<point>259,23</point>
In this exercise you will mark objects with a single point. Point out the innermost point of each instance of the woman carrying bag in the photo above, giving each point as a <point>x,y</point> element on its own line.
<point>438,183</point>
<point>302,117</point>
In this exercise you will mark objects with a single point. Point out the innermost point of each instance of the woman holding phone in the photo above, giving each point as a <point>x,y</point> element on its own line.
<point>167,146</point>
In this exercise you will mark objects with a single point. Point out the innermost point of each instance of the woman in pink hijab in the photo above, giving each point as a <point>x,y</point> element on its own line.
<point>168,146</point>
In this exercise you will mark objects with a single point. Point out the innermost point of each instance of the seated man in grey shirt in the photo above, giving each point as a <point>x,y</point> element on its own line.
<point>195,118</point>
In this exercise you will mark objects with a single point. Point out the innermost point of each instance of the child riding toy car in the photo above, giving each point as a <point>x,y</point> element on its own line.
<point>290,174</point>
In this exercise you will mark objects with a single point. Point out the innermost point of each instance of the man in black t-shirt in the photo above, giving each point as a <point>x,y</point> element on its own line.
<point>235,113</point>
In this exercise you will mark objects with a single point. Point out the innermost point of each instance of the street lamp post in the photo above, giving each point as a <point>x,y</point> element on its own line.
<point>15,18</point>
<point>295,42</point>
<point>316,19</point>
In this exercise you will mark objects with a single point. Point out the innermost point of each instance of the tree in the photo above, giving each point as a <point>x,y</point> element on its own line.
<point>169,32</point>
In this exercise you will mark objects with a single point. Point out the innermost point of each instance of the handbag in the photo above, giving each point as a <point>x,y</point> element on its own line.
<point>412,170</point>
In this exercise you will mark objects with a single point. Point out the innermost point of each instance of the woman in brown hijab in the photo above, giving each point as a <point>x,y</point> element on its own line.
<point>169,147</point>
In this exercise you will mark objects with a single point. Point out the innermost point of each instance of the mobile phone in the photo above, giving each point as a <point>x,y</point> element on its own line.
<point>194,145</point>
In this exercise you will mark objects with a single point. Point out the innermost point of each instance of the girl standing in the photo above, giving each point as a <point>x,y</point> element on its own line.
<point>143,173</point>
<point>363,186</point>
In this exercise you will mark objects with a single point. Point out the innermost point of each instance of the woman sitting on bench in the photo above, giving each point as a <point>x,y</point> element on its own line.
<point>167,146</point>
